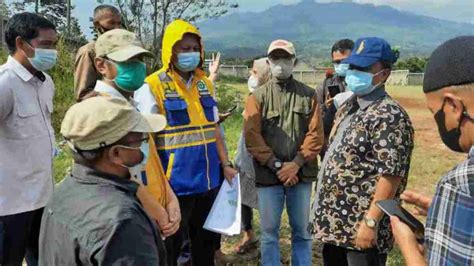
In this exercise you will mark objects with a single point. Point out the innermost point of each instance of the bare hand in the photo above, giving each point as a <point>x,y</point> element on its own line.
<point>289,170</point>
<point>422,203</point>
<point>214,66</point>
<point>406,240</point>
<point>174,216</point>
<point>329,102</point>
<point>229,174</point>
<point>291,181</point>
<point>366,236</point>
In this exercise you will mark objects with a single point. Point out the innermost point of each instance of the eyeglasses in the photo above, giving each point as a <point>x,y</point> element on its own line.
<point>131,144</point>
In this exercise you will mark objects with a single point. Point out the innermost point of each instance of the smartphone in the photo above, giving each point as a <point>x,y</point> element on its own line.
<point>232,109</point>
<point>392,207</point>
<point>334,90</point>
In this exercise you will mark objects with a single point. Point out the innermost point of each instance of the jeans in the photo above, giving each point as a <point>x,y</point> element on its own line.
<point>339,256</point>
<point>270,203</point>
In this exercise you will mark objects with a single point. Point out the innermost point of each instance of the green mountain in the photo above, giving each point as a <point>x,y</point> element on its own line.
<point>314,27</point>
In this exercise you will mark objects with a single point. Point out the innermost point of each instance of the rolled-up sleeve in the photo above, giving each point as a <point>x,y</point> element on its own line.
<point>254,140</point>
<point>314,138</point>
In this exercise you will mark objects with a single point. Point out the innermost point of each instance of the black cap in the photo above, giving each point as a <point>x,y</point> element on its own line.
<point>452,63</point>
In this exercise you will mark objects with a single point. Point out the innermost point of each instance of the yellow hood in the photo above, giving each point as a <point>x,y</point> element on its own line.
<point>174,32</point>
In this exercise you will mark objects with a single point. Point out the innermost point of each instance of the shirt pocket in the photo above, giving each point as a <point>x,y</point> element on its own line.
<point>28,121</point>
<point>208,103</point>
<point>270,123</point>
<point>176,112</point>
<point>302,112</point>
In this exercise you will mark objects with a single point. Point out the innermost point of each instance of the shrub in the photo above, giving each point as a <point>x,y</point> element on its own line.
<point>63,77</point>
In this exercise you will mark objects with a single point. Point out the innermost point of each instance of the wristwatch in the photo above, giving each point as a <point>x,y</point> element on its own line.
<point>371,223</point>
<point>277,164</point>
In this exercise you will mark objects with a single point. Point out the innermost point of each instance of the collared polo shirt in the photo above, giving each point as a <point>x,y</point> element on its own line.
<point>26,138</point>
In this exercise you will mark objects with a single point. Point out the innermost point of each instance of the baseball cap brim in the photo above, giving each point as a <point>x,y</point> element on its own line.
<point>149,123</point>
<point>360,61</point>
<point>281,48</point>
<point>128,52</point>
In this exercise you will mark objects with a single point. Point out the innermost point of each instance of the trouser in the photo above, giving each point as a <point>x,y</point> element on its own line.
<point>339,256</point>
<point>19,235</point>
<point>247,217</point>
<point>194,211</point>
<point>270,204</point>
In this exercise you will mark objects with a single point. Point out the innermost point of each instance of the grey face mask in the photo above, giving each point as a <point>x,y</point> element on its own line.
<point>282,68</point>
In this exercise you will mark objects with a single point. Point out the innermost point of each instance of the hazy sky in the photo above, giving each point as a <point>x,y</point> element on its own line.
<point>456,10</point>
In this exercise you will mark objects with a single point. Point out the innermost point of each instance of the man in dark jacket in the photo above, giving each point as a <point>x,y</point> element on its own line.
<point>94,216</point>
<point>284,134</point>
<point>334,83</point>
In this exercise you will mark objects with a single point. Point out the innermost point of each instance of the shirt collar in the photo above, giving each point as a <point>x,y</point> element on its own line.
<point>102,87</point>
<point>88,175</point>
<point>471,152</point>
<point>19,69</point>
<point>188,82</point>
<point>366,100</point>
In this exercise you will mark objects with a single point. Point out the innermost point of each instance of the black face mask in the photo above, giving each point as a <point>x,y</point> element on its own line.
<point>450,138</point>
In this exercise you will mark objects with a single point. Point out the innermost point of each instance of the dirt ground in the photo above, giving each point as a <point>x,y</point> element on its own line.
<point>430,159</point>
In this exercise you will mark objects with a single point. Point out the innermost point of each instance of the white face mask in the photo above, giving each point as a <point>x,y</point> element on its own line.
<point>252,83</point>
<point>282,68</point>
<point>138,170</point>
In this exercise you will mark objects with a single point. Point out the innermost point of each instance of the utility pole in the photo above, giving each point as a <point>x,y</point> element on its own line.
<point>68,17</point>
<point>37,6</point>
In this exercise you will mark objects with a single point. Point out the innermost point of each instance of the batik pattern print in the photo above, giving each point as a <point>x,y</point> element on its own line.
<point>378,141</point>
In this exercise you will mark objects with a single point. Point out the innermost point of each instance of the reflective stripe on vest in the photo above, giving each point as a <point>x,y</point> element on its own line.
<point>187,145</point>
<point>169,141</point>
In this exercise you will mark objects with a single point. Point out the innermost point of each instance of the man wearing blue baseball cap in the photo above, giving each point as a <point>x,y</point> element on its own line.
<point>368,159</point>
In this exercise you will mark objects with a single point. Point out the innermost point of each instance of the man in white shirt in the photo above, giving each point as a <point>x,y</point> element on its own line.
<point>26,135</point>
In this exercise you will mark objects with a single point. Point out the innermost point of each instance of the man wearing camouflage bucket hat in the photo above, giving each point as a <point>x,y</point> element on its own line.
<point>94,216</point>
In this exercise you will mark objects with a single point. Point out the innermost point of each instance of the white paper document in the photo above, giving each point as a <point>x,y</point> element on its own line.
<point>225,216</point>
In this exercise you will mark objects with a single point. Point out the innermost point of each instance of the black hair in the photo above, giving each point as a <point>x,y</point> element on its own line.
<point>25,25</point>
<point>342,45</point>
<point>101,8</point>
<point>387,64</point>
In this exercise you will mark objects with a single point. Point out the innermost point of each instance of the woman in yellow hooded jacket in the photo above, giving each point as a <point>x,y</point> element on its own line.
<point>191,147</point>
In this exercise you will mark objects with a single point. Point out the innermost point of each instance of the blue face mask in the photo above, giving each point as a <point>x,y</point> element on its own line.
<point>360,83</point>
<point>341,69</point>
<point>130,75</point>
<point>187,62</point>
<point>44,58</point>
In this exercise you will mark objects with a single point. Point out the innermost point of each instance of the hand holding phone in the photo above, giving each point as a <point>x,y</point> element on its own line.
<point>393,208</point>
<point>334,90</point>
